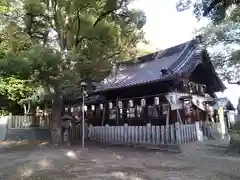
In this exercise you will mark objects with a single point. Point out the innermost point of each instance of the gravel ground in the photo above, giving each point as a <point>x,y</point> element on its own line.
<point>117,163</point>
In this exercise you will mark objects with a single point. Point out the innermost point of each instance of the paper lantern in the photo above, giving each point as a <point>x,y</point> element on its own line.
<point>130,103</point>
<point>66,109</point>
<point>72,109</point>
<point>101,106</point>
<point>204,88</point>
<point>156,100</point>
<point>187,108</point>
<point>110,105</point>
<point>143,102</point>
<point>93,107</point>
<point>171,100</point>
<point>120,105</point>
<point>85,108</point>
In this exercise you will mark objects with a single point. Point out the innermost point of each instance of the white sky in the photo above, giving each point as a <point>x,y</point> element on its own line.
<point>166,27</point>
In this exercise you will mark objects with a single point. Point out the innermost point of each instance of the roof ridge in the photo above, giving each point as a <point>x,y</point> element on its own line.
<point>142,59</point>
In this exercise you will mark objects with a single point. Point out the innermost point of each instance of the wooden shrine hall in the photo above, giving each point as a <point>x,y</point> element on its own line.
<point>173,85</point>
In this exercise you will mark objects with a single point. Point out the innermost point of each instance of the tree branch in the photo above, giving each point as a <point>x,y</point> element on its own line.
<point>78,30</point>
<point>211,6</point>
<point>105,14</point>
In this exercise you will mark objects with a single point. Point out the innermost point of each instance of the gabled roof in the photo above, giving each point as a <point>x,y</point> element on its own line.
<point>180,59</point>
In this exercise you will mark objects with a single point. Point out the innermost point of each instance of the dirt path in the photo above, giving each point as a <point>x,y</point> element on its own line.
<point>117,163</point>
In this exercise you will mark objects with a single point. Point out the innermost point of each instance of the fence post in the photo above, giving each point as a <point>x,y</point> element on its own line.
<point>90,131</point>
<point>178,133</point>
<point>132,134</point>
<point>125,133</point>
<point>172,138</point>
<point>162,134</point>
<point>122,133</point>
<point>10,120</point>
<point>167,133</point>
<point>140,134</point>
<point>107,138</point>
<point>148,133</point>
<point>153,129</point>
<point>137,134</point>
<point>198,132</point>
<point>158,134</point>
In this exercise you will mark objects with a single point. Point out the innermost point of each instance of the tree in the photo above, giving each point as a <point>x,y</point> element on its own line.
<point>69,42</point>
<point>224,30</point>
<point>216,10</point>
<point>222,33</point>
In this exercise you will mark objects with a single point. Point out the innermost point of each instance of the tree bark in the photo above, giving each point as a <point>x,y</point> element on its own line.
<point>56,135</point>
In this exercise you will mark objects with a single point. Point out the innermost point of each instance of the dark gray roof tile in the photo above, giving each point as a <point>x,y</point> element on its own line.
<point>182,58</point>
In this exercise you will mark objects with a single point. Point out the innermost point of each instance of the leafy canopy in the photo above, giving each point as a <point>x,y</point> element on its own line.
<point>222,34</point>
<point>59,43</point>
<point>216,10</point>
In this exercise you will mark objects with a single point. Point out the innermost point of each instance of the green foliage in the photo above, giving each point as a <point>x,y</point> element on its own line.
<point>223,31</point>
<point>58,44</point>
<point>216,10</point>
<point>225,39</point>
<point>19,91</point>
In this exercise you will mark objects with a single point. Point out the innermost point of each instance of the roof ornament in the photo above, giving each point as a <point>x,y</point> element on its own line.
<point>199,38</point>
<point>165,72</point>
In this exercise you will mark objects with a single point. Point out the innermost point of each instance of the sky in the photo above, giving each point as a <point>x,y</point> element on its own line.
<point>165,27</point>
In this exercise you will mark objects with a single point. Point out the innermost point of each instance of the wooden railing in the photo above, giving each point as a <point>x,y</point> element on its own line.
<point>21,122</point>
<point>156,135</point>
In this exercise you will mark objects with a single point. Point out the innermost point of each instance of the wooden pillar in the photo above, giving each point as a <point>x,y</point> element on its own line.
<point>117,112</point>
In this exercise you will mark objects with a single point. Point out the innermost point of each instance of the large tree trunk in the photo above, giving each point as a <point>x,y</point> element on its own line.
<point>56,135</point>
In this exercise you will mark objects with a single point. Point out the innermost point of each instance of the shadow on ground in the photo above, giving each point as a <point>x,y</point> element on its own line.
<point>34,161</point>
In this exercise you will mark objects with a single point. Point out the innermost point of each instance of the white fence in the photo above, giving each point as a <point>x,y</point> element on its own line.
<point>214,129</point>
<point>75,133</point>
<point>156,135</point>
<point>21,122</point>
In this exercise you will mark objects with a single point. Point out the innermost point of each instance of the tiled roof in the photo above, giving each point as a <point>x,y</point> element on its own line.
<point>182,58</point>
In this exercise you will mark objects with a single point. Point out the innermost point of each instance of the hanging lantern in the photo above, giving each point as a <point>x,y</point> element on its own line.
<point>156,100</point>
<point>196,87</point>
<point>110,105</point>
<point>130,103</point>
<point>120,105</point>
<point>191,88</point>
<point>66,109</point>
<point>85,108</point>
<point>143,102</point>
<point>93,107</point>
<point>204,88</point>
<point>101,106</point>
<point>187,108</point>
<point>171,99</point>
<point>72,109</point>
